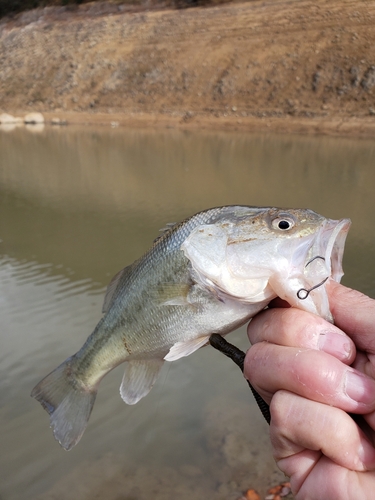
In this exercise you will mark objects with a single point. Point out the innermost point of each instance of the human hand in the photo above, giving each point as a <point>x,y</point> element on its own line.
<point>312,374</point>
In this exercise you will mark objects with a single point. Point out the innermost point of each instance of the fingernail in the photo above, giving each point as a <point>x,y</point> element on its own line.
<point>366,455</point>
<point>334,343</point>
<point>359,387</point>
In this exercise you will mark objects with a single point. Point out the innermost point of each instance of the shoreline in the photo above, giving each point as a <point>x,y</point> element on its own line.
<point>356,127</point>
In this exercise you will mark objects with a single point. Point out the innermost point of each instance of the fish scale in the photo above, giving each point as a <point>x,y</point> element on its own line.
<point>211,273</point>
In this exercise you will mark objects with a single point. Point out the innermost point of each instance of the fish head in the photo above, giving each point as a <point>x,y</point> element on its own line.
<point>256,255</point>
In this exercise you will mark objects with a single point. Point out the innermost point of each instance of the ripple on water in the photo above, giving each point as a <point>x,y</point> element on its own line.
<point>36,301</point>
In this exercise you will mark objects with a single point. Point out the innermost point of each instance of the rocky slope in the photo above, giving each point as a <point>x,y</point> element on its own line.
<point>284,65</point>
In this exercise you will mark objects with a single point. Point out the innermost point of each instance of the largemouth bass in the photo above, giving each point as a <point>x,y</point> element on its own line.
<point>209,274</point>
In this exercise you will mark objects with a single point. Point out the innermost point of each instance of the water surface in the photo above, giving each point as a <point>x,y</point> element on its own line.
<point>79,204</point>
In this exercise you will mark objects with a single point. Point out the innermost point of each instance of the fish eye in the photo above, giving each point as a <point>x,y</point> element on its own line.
<point>283,223</point>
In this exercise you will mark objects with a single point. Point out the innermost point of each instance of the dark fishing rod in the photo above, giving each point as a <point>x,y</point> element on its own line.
<point>238,356</point>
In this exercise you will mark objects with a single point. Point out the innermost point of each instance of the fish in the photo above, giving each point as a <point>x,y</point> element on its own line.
<point>210,273</point>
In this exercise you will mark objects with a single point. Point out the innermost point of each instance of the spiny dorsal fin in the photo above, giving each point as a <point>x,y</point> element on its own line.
<point>165,229</point>
<point>112,287</point>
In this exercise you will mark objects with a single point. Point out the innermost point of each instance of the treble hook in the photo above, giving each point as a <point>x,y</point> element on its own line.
<point>305,293</point>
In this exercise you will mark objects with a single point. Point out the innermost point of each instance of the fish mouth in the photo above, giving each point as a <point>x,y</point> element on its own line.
<point>328,249</point>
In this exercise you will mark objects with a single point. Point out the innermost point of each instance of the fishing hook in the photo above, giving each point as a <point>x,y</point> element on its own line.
<point>316,257</point>
<point>305,293</point>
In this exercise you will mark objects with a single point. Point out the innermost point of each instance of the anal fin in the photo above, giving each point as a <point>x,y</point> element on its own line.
<point>181,349</point>
<point>138,379</point>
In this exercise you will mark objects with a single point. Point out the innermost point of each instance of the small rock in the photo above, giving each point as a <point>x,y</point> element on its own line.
<point>371,111</point>
<point>188,116</point>
<point>368,80</point>
<point>58,121</point>
<point>251,495</point>
<point>34,118</point>
<point>6,118</point>
<point>285,490</point>
<point>316,80</point>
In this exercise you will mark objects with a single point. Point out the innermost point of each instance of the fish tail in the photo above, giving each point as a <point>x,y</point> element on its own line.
<point>68,402</point>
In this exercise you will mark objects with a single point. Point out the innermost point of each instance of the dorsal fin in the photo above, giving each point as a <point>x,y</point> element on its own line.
<point>165,229</point>
<point>112,287</point>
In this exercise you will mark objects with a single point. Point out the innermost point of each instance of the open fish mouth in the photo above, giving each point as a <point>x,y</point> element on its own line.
<point>324,258</point>
<point>337,233</point>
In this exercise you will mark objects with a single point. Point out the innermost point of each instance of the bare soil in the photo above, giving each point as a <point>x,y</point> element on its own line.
<point>289,66</point>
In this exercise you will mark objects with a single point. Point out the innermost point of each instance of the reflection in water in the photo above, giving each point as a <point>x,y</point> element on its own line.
<point>79,204</point>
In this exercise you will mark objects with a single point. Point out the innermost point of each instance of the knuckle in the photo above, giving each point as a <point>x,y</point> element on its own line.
<point>279,408</point>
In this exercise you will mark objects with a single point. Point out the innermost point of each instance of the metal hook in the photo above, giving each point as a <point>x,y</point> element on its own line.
<point>314,258</point>
<point>306,293</point>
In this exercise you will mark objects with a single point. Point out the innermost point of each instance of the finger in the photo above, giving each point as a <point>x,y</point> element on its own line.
<point>315,477</point>
<point>365,363</point>
<point>298,424</point>
<point>312,374</point>
<point>355,313</point>
<point>295,328</point>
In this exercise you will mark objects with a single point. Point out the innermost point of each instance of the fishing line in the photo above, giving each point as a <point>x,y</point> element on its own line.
<point>236,355</point>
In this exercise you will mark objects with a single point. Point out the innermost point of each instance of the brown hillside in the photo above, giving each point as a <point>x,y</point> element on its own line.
<point>284,65</point>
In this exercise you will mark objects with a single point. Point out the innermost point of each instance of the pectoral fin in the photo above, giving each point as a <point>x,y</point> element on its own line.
<point>138,379</point>
<point>181,349</point>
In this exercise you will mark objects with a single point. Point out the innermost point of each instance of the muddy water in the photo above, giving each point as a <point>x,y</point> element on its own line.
<point>76,206</point>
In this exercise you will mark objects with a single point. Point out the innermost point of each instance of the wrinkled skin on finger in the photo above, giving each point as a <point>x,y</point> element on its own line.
<point>313,373</point>
<point>330,463</point>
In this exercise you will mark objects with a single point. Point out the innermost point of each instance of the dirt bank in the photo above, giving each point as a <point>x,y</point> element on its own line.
<point>298,66</point>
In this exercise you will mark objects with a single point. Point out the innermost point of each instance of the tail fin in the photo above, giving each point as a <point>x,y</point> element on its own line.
<point>68,403</point>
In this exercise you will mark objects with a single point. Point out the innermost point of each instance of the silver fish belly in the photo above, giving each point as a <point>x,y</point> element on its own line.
<point>208,274</point>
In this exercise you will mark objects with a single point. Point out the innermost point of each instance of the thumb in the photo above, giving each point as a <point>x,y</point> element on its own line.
<point>354,313</point>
